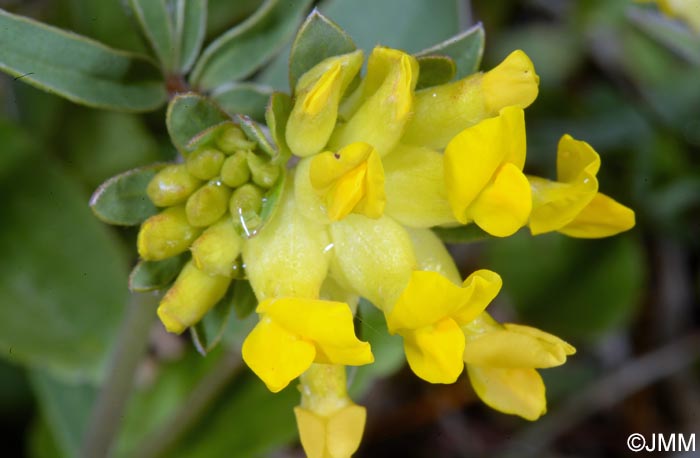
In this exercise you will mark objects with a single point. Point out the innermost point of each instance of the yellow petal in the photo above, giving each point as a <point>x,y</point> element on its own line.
<point>516,347</point>
<point>512,391</point>
<point>289,256</point>
<point>373,201</point>
<point>276,355</point>
<point>416,194</point>
<point>504,205</point>
<point>382,116</point>
<point>312,432</point>
<point>315,110</point>
<point>435,352</point>
<point>602,217</point>
<point>432,255</point>
<point>555,204</point>
<point>328,325</point>
<point>482,286</point>
<point>192,295</point>
<point>512,82</point>
<point>338,436</point>
<point>372,257</point>
<point>575,157</point>
<point>475,155</point>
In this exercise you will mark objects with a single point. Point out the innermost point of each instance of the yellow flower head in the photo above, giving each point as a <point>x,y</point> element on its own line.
<point>351,180</point>
<point>293,333</point>
<point>483,174</point>
<point>572,204</point>
<point>429,314</point>
<point>501,362</point>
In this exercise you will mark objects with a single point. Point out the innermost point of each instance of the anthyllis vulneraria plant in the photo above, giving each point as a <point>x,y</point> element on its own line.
<point>338,205</point>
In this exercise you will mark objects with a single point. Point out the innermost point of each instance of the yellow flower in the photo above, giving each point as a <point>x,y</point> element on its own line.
<point>352,180</point>
<point>428,315</point>
<point>501,362</point>
<point>572,205</point>
<point>483,174</point>
<point>294,332</point>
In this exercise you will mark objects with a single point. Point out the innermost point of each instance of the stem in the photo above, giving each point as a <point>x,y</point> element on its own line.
<point>193,408</point>
<point>131,344</point>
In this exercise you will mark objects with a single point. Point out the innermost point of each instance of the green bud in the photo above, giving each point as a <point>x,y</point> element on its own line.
<point>208,204</point>
<point>172,186</point>
<point>235,171</point>
<point>205,163</point>
<point>245,205</point>
<point>233,139</point>
<point>217,249</point>
<point>166,234</point>
<point>265,173</point>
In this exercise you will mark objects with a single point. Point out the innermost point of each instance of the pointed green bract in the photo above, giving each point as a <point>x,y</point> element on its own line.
<point>190,28</point>
<point>189,115</point>
<point>466,49</point>
<point>156,25</point>
<point>278,109</point>
<point>242,50</point>
<point>246,98</point>
<point>255,133</point>
<point>461,234</point>
<point>317,39</point>
<point>155,275</point>
<point>81,70</point>
<point>435,70</point>
<point>122,200</point>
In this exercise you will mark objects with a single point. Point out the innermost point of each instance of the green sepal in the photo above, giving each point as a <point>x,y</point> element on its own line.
<point>122,200</point>
<point>246,98</point>
<point>241,51</point>
<point>317,39</point>
<point>188,116</point>
<point>276,115</point>
<point>156,275</point>
<point>435,70</point>
<point>461,234</point>
<point>77,68</point>
<point>256,134</point>
<point>466,48</point>
<point>207,334</point>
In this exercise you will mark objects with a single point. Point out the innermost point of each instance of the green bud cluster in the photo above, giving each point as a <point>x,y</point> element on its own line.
<point>211,198</point>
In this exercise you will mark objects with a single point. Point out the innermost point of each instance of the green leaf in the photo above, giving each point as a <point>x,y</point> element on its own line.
<point>190,28</point>
<point>244,300</point>
<point>242,50</point>
<point>254,132</point>
<point>278,110</point>
<point>245,98</point>
<point>157,27</point>
<point>268,422</point>
<point>679,39</point>
<point>122,200</point>
<point>207,333</point>
<point>574,288</point>
<point>62,277</point>
<point>461,234</point>
<point>435,70</point>
<point>189,115</point>
<point>317,39</point>
<point>65,407</point>
<point>77,68</point>
<point>156,275</point>
<point>466,49</point>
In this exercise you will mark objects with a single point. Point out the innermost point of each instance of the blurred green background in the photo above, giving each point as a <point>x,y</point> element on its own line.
<point>614,73</point>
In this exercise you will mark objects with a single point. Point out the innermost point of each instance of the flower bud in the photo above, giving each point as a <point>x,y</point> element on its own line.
<point>208,204</point>
<point>318,93</point>
<point>205,163</point>
<point>235,171</point>
<point>232,139</point>
<point>190,298</point>
<point>172,186</point>
<point>265,173</point>
<point>216,250</point>
<point>245,205</point>
<point>166,234</point>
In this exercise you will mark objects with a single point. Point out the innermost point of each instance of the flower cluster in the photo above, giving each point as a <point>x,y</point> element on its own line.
<point>377,163</point>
